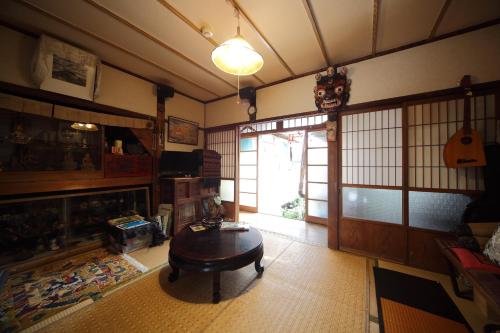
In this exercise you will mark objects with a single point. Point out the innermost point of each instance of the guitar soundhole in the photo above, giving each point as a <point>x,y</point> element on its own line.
<point>466,140</point>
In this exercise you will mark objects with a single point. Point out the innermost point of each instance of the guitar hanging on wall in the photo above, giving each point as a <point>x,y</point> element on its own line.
<point>465,148</point>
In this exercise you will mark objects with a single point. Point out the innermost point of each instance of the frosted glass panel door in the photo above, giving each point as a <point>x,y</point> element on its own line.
<point>317,176</point>
<point>248,173</point>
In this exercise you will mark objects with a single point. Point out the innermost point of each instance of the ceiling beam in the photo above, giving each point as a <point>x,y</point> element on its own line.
<point>261,36</point>
<point>102,40</point>
<point>317,32</point>
<point>376,5</point>
<point>132,26</point>
<point>193,26</point>
<point>440,17</point>
<point>380,53</point>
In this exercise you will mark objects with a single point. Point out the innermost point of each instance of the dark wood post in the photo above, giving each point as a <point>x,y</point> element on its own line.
<point>333,192</point>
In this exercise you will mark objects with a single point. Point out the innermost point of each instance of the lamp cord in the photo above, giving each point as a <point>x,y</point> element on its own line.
<point>238,95</point>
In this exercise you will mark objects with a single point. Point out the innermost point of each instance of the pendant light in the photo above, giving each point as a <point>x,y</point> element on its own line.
<point>236,56</point>
<point>84,127</point>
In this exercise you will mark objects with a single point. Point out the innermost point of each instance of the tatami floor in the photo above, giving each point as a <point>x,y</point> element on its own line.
<point>310,233</point>
<point>305,288</point>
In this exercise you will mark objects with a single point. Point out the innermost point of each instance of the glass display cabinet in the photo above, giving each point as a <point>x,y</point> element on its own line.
<point>35,143</point>
<point>37,226</point>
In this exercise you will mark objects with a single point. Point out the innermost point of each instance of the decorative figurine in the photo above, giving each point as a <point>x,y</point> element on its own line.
<point>117,148</point>
<point>87,163</point>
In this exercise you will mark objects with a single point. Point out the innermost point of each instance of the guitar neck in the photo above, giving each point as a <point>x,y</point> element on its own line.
<point>467,118</point>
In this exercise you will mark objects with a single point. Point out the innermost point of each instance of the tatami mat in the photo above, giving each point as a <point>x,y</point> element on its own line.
<point>304,288</point>
<point>307,289</point>
<point>469,309</point>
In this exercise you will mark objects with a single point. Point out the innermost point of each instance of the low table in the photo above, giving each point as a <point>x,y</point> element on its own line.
<point>215,251</point>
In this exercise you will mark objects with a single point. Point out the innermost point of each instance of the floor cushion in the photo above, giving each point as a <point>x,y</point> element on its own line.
<point>473,260</point>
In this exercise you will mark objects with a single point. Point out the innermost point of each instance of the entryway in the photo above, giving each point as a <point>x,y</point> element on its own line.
<point>283,183</point>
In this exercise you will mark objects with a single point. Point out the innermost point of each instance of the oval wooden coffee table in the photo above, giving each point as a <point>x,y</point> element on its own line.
<point>215,251</point>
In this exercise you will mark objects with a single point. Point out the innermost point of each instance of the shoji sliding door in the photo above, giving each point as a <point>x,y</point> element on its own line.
<point>397,193</point>
<point>224,142</point>
<point>248,173</point>
<point>317,177</point>
<point>372,183</point>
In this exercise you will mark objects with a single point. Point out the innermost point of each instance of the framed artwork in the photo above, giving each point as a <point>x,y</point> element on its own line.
<point>182,131</point>
<point>65,69</point>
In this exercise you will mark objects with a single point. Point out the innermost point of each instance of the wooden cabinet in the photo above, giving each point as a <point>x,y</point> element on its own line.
<point>186,196</point>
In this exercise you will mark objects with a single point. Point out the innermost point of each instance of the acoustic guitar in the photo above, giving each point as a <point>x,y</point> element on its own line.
<point>465,148</point>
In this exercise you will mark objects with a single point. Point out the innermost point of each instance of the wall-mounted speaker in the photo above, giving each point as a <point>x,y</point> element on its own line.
<point>165,91</point>
<point>248,94</point>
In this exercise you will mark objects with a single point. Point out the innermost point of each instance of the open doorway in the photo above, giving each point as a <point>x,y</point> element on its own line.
<point>281,172</point>
<point>274,183</point>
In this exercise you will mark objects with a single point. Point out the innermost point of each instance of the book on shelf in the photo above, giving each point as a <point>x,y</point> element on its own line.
<point>234,226</point>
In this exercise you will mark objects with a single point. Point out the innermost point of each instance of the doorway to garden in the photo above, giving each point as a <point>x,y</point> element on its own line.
<point>283,181</point>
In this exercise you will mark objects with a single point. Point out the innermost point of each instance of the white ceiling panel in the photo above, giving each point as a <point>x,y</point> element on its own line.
<point>289,33</point>
<point>465,13</point>
<point>346,26</point>
<point>403,22</point>
<point>120,34</point>
<point>22,16</point>
<point>161,24</point>
<point>220,16</point>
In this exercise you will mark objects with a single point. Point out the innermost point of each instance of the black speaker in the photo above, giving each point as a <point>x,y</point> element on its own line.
<point>165,91</point>
<point>248,94</point>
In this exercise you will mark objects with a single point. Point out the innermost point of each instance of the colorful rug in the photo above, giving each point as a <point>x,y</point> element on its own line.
<point>32,296</point>
<point>409,304</point>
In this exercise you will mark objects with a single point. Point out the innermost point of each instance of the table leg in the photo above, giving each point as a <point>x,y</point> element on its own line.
<point>258,267</point>
<point>216,288</point>
<point>174,275</point>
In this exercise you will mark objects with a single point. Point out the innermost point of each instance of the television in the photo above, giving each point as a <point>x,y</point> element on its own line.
<point>179,164</point>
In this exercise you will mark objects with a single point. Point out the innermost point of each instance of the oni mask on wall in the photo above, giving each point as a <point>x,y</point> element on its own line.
<point>332,90</point>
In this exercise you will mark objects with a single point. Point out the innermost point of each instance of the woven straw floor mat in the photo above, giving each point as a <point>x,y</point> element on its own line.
<point>401,318</point>
<point>304,288</point>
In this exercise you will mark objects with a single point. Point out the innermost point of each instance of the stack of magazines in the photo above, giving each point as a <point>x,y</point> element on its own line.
<point>234,226</point>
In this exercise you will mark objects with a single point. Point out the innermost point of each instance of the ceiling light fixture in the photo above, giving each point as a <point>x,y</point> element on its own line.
<point>236,56</point>
<point>84,127</point>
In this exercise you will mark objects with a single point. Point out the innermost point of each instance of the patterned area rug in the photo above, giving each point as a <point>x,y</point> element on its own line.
<point>35,295</point>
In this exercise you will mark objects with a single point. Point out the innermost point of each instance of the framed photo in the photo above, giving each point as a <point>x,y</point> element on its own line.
<point>65,69</point>
<point>182,131</point>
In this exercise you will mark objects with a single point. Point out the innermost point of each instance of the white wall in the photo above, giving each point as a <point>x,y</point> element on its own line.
<point>118,88</point>
<point>426,68</point>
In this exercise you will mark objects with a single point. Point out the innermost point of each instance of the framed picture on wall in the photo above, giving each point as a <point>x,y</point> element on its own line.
<point>182,131</point>
<point>65,69</point>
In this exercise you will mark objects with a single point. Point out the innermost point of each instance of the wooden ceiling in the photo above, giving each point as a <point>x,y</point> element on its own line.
<point>161,40</point>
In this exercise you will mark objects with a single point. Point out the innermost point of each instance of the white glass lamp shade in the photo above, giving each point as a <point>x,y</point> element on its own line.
<point>84,127</point>
<point>236,56</point>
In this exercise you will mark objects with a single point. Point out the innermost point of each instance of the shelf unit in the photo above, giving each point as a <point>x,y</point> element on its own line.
<point>186,196</point>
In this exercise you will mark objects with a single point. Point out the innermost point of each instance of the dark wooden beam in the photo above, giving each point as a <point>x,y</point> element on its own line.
<point>317,32</point>
<point>64,100</point>
<point>440,17</point>
<point>376,5</point>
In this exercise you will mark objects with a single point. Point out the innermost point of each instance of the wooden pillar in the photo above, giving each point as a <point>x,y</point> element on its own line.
<point>333,192</point>
<point>162,92</point>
